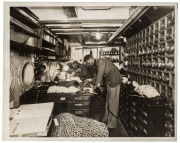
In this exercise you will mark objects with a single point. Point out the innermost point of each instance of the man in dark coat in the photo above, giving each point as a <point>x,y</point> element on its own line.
<point>82,71</point>
<point>106,69</point>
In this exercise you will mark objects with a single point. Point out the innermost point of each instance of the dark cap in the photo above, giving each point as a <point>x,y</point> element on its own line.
<point>75,64</point>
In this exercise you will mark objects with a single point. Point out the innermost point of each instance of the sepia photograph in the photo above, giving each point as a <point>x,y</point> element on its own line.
<point>90,71</point>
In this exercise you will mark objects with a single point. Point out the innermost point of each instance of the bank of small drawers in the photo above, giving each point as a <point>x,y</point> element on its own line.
<point>141,117</point>
<point>78,104</point>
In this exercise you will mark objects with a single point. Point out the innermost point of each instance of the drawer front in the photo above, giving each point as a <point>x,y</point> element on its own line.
<point>143,113</point>
<point>143,132</point>
<point>60,99</point>
<point>45,99</point>
<point>79,98</point>
<point>80,112</point>
<point>78,105</point>
<point>57,99</point>
<point>143,121</point>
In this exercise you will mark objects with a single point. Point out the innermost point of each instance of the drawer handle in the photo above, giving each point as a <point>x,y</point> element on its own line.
<point>78,98</point>
<point>142,120</point>
<point>142,129</point>
<point>78,105</point>
<point>78,112</point>
<point>145,131</point>
<point>144,113</point>
<point>86,98</point>
<point>62,98</point>
<point>132,109</point>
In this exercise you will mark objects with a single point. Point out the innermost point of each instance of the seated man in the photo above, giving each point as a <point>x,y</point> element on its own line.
<point>122,68</point>
<point>82,71</point>
<point>61,75</point>
<point>71,68</point>
<point>43,73</point>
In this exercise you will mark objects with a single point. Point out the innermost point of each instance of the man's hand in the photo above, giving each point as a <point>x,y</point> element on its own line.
<point>73,74</point>
<point>88,80</point>
<point>96,86</point>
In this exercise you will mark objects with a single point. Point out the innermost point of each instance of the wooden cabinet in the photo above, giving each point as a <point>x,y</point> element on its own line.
<point>78,104</point>
<point>27,31</point>
<point>151,56</point>
<point>141,117</point>
<point>24,27</point>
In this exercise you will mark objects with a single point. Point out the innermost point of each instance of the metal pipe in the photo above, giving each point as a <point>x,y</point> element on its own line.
<point>80,33</point>
<point>70,21</point>
<point>86,30</point>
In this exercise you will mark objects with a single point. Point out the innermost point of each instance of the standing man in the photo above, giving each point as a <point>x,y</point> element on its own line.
<point>106,69</point>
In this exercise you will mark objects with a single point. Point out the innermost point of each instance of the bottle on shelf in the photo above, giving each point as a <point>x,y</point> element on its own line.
<point>168,114</point>
<point>168,34</point>
<point>161,49</point>
<point>158,77</point>
<point>153,76</point>
<point>168,125</point>
<point>148,51</point>
<point>156,38</point>
<point>161,64</point>
<point>162,25</point>
<point>156,28</point>
<point>168,134</point>
<point>162,36</point>
<point>169,48</point>
<point>154,64</point>
<point>165,79</point>
<point>170,20</point>
<point>169,65</point>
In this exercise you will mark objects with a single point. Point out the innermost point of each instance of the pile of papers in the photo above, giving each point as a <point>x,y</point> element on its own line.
<point>62,89</point>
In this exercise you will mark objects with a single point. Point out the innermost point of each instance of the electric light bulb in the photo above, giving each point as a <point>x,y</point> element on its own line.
<point>98,36</point>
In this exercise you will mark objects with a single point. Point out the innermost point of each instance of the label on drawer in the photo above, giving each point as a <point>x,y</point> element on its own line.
<point>78,98</point>
<point>63,98</point>
<point>78,104</point>
<point>78,112</point>
<point>56,122</point>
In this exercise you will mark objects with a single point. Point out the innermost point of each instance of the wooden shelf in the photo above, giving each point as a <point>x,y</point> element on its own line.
<point>110,54</point>
<point>161,83</point>
<point>47,49</point>
<point>157,82</point>
<point>15,12</point>
<point>46,43</point>
<point>170,118</point>
<point>51,35</point>
<point>164,56</point>
<point>150,69</point>
<point>23,27</point>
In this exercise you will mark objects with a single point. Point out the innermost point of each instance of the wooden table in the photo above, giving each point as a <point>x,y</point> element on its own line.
<point>31,119</point>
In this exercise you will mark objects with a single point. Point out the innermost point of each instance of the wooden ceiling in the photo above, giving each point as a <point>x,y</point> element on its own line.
<point>80,24</point>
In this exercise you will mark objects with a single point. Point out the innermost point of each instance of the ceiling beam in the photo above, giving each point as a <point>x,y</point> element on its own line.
<point>69,21</point>
<point>65,26</point>
<point>80,38</point>
<point>72,33</point>
<point>86,30</point>
<point>99,46</point>
<point>80,33</point>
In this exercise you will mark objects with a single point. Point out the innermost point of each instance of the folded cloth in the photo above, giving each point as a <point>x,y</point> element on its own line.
<point>62,89</point>
<point>124,80</point>
<point>147,91</point>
